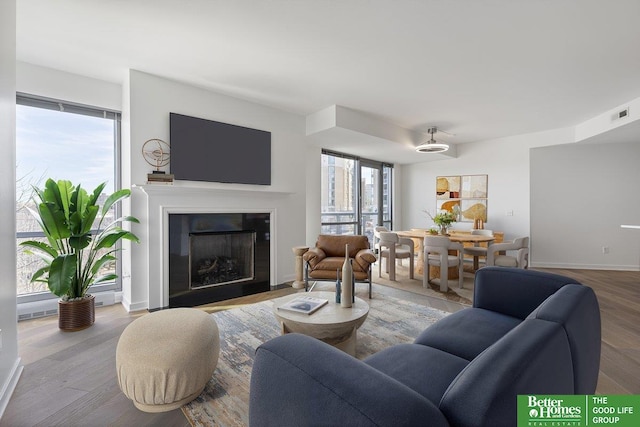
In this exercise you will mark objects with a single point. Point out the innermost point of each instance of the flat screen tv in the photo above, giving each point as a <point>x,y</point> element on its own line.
<point>205,150</point>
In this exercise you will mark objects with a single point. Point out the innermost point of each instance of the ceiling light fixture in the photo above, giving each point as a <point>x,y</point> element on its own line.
<point>432,146</point>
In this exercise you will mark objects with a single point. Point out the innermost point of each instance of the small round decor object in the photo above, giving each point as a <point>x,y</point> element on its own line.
<point>156,152</point>
<point>166,358</point>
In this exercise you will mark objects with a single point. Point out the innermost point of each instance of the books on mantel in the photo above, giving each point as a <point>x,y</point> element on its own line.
<point>306,305</point>
<point>160,178</point>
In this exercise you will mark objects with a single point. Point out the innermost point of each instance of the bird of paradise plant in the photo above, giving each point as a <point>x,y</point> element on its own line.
<point>75,252</point>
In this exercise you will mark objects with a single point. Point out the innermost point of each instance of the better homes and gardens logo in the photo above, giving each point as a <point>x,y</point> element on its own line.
<point>554,410</point>
<point>578,410</point>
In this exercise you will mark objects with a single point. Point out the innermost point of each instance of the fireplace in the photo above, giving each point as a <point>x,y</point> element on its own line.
<point>217,256</point>
<point>218,259</point>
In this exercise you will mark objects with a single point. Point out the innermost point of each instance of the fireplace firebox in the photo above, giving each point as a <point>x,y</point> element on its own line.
<point>217,259</point>
<point>217,256</point>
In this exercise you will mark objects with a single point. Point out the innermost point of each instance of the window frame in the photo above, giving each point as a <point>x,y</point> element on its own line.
<point>37,101</point>
<point>358,162</point>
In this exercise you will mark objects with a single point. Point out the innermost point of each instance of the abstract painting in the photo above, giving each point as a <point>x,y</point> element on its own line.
<point>469,193</point>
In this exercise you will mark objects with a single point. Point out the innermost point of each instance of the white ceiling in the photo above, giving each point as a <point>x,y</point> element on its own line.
<point>476,69</point>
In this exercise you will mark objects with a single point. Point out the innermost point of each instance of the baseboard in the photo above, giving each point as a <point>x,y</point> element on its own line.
<point>129,306</point>
<point>49,307</point>
<point>288,278</point>
<point>585,266</point>
<point>9,386</point>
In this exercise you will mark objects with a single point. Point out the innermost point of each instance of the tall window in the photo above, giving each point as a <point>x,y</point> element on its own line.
<point>387,186</point>
<point>356,194</point>
<point>59,140</point>
<point>338,200</point>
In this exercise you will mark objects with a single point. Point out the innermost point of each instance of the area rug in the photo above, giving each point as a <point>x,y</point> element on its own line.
<point>462,295</point>
<point>225,400</point>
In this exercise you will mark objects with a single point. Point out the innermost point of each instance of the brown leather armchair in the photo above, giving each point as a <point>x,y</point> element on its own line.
<point>328,256</point>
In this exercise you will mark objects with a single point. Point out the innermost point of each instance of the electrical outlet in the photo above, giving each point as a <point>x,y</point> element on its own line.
<point>509,213</point>
<point>605,249</point>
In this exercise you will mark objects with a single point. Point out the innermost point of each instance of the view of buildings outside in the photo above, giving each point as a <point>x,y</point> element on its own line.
<point>387,176</point>
<point>370,185</point>
<point>57,145</point>
<point>339,196</point>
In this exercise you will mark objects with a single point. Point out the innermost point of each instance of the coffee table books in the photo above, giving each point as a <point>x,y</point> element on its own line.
<point>306,305</point>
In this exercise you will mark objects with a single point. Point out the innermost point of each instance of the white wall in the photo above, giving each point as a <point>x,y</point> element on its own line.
<point>150,100</point>
<point>56,84</point>
<point>314,202</point>
<point>504,160</point>
<point>9,362</point>
<point>524,174</point>
<point>581,194</point>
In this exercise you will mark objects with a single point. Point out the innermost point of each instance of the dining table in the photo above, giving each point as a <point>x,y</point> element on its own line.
<point>418,235</point>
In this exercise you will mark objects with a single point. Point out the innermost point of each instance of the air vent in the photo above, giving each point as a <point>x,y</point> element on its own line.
<point>49,307</point>
<point>624,113</point>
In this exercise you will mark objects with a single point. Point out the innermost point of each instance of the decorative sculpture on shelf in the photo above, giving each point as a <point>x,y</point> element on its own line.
<point>157,153</point>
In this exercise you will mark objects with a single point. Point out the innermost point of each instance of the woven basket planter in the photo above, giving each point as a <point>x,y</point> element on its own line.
<point>76,315</point>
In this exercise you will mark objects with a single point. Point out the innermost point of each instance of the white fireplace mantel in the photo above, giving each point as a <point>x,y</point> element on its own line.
<point>188,187</point>
<point>163,199</point>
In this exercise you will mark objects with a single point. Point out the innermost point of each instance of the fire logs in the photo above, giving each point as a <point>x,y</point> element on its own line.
<point>219,269</point>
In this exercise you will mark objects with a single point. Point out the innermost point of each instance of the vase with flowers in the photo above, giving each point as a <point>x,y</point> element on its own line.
<point>443,219</point>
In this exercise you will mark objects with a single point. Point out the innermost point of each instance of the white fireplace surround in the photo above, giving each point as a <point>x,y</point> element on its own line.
<point>159,202</point>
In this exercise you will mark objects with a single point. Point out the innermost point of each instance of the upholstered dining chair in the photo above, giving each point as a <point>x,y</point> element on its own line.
<point>436,253</point>
<point>393,248</point>
<point>516,253</point>
<point>376,236</point>
<point>477,251</point>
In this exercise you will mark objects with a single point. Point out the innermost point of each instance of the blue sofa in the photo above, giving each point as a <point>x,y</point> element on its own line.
<point>528,332</point>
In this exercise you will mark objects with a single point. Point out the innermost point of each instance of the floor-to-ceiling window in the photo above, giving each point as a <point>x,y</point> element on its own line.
<point>339,190</point>
<point>387,185</point>
<point>355,194</point>
<point>59,140</point>
<point>370,197</point>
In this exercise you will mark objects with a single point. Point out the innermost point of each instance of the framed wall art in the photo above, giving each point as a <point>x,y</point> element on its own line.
<point>474,186</point>
<point>469,193</point>
<point>448,187</point>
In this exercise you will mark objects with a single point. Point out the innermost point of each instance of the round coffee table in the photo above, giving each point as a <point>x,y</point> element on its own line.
<point>332,323</point>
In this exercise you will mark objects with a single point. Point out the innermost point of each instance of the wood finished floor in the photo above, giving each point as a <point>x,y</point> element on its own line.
<point>619,299</point>
<point>69,378</point>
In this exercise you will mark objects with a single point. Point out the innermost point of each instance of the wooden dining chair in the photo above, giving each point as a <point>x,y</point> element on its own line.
<point>436,253</point>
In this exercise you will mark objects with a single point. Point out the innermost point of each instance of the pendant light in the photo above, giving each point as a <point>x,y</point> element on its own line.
<point>432,146</point>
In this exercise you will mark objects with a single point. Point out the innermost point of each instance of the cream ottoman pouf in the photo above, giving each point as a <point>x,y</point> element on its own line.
<point>164,359</point>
